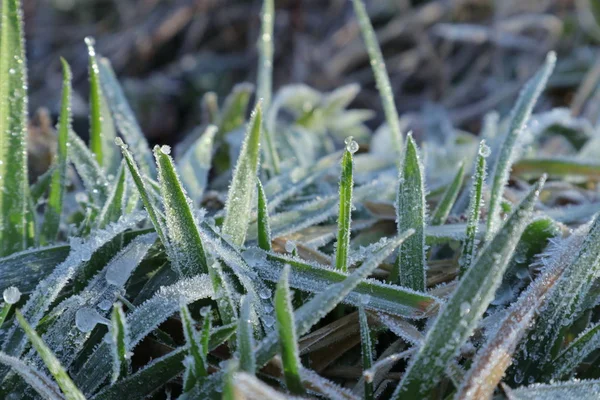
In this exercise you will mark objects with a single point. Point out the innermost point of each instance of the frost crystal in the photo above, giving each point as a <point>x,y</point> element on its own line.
<point>290,246</point>
<point>11,295</point>
<point>87,318</point>
<point>165,149</point>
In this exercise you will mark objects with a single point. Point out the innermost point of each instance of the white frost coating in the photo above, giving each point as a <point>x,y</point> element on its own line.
<point>330,389</point>
<point>575,389</point>
<point>165,149</point>
<point>48,289</point>
<point>120,267</point>
<point>401,328</point>
<point>87,318</point>
<point>11,295</point>
<point>143,320</point>
<point>41,383</point>
<point>386,363</point>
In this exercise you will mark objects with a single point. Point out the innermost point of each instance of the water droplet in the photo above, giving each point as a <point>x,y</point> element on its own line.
<point>351,145</point>
<point>465,308</point>
<point>11,295</point>
<point>165,149</point>
<point>87,318</point>
<point>484,150</point>
<point>290,246</point>
<point>120,142</point>
<point>105,305</point>
<point>269,320</point>
<point>365,299</point>
<point>264,294</point>
<point>12,71</point>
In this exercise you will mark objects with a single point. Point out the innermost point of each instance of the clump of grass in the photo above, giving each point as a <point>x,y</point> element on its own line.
<point>132,289</point>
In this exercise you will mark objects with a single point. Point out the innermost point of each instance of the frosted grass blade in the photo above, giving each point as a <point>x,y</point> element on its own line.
<point>345,211</point>
<point>142,321</point>
<point>160,371</point>
<point>409,270</point>
<point>263,226</point>
<point>184,238</point>
<point>124,118</point>
<point>238,209</point>
<point>234,109</point>
<point>579,389</point>
<point>461,314</point>
<point>65,383</point>
<point>325,301</point>
<point>42,384</point>
<point>381,75</point>
<point>568,360</point>
<point>366,346</point>
<point>245,341</point>
<point>197,361</point>
<point>519,117</point>
<point>119,332</point>
<point>94,179</point>
<point>287,334</point>
<point>557,167</point>
<point>114,206</point>
<point>448,199</point>
<point>468,253</point>
<point>58,182</point>
<point>16,232</point>
<point>195,164</point>
<point>495,356</point>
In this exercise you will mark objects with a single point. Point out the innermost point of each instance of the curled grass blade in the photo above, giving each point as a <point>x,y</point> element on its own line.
<point>468,253</point>
<point>345,211</point>
<point>446,203</point>
<point>238,209</point>
<point>381,76</point>
<point>65,383</point>
<point>58,182</point>
<point>460,315</point>
<point>519,117</point>
<point>410,266</point>
<point>287,334</point>
<point>16,232</point>
<point>184,238</point>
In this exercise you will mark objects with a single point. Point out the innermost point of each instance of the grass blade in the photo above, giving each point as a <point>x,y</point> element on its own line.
<point>58,182</point>
<point>124,117</point>
<point>325,301</point>
<point>566,362</point>
<point>345,213</point>
<point>264,229</point>
<point>65,383</point>
<point>557,167</point>
<point>381,75</point>
<point>198,364</point>
<point>245,341</point>
<point>367,355</point>
<point>91,174</point>
<point>195,164</point>
<point>184,237</point>
<point>287,334</point>
<point>16,233</point>
<point>449,197</point>
<point>468,253</point>
<point>114,206</point>
<point>410,267</point>
<point>465,308</point>
<point>120,343</point>
<point>519,117</point>
<point>42,384</point>
<point>580,389</point>
<point>238,209</point>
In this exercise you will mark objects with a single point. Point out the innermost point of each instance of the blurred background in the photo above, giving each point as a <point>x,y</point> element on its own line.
<point>463,57</point>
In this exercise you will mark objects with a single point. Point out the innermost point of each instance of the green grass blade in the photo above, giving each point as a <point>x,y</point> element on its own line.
<point>381,75</point>
<point>195,164</point>
<point>16,232</point>
<point>410,267</point>
<point>93,177</point>
<point>345,213</point>
<point>114,206</point>
<point>245,341</point>
<point>446,203</point>
<point>468,253</point>
<point>264,229</point>
<point>58,182</point>
<point>234,109</point>
<point>65,383</point>
<point>119,332</point>
<point>229,392</point>
<point>566,362</point>
<point>238,209</point>
<point>287,334</point>
<point>184,237</point>
<point>557,167</point>
<point>367,356</point>
<point>326,300</point>
<point>519,117</point>
<point>461,314</point>
<point>196,351</point>
<point>143,191</point>
<point>42,384</point>
<point>124,118</point>
<point>160,371</point>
